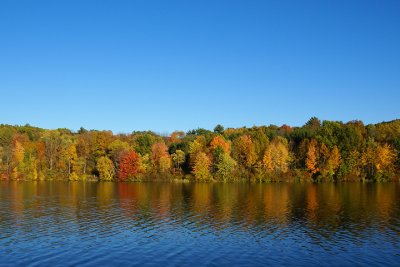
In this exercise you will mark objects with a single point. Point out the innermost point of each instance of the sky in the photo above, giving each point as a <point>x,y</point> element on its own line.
<point>179,65</point>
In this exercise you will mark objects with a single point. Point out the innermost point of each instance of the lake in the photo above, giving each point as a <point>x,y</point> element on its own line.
<point>173,224</point>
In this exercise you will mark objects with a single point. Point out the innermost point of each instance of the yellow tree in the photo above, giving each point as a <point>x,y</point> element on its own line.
<point>201,168</point>
<point>368,159</point>
<point>71,157</point>
<point>105,168</point>
<point>277,156</point>
<point>18,153</point>
<point>178,158</point>
<point>324,154</point>
<point>333,162</point>
<point>385,158</point>
<point>52,144</point>
<point>33,169</point>
<point>144,164</point>
<point>244,151</point>
<point>83,150</point>
<point>267,163</point>
<point>195,148</point>
<point>282,156</point>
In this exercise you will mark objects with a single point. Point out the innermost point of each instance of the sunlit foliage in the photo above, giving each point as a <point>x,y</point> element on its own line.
<point>129,165</point>
<point>105,168</point>
<point>201,169</point>
<point>317,151</point>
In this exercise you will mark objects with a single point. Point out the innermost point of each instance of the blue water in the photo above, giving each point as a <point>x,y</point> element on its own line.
<point>167,224</point>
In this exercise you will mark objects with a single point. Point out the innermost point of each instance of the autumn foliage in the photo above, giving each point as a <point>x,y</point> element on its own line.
<point>317,151</point>
<point>129,165</point>
<point>312,157</point>
<point>160,157</point>
<point>220,142</point>
<point>277,157</point>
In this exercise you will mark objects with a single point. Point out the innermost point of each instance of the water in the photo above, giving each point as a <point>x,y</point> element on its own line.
<point>167,224</point>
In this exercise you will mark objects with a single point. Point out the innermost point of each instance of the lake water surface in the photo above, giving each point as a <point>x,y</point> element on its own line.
<point>169,224</point>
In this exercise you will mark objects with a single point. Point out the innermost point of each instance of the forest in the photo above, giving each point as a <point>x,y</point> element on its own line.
<point>317,151</point>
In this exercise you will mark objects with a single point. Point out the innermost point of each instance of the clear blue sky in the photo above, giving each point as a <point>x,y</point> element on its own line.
<point>169,65</point>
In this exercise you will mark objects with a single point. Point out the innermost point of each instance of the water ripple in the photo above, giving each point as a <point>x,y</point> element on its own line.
<point>197,225</point>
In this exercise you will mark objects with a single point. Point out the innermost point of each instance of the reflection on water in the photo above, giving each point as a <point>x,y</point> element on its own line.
<point>73,223</point>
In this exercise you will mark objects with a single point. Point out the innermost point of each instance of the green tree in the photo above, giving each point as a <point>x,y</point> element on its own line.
<point>219,129</point>
<point>226,167</point>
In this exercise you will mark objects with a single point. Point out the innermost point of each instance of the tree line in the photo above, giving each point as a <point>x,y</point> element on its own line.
<point>316,151</point>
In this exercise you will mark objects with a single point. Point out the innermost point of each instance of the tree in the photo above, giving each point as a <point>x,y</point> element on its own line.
<point>385,159</point>
<point>353,166</point>
<point>178,158</point>
<point>334,150</point>
<point>368,159</point>
<point>260,140</point>
<point>32,169</point>
<point>52,142</point>
<point>219,146</point>
<point>331,133</point>
<point>333,162</point>
<point>177,136</point>
<point>195,148</point>
<point>226,167</point>
<point>378,160</point>
<point>312,157</point>
<point>143,142</point>
<point>160,157</point>
<point>83,150</point>
<point>66,157</point>
<point>129,165</point>
<point>324,154</point>
<point>277,156</point>
<point>100,140</point>
<point>219,142</point>
<point>244,151</point>
<point>201,169</point>
<point>116,149</point>
<point>71,157</point>
<point>219,129</point>
<point>313,122</point>
<point>82,130</point>
<point>105,168</point>
<point>18,153</point>
<point>282,156</point>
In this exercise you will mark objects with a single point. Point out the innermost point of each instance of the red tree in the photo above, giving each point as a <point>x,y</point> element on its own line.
<point>128,166</point>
